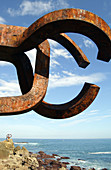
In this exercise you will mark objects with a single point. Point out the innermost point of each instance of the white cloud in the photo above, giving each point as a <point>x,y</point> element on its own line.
<point>57,52</point>
<point>70,79</point>
<point>54,63</point>
<point>61,52</point>
<point>32,56</point>
<point>52,43</point>
<point>81,118</point>
<point>31,8</point>
<point>100,117</point>
<point>88,43</point>
<point>74,122</point>
<point>68,73</point>
<point>107,116</point>
<point>9,88</point>
<point>2,20</point>
<point>37,7</point>
<point>94,111</point>
<point>62,3</point>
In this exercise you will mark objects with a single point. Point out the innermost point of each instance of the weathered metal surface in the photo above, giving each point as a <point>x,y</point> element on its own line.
<point>69,20</point>
<point>36,92</point>
<point>78,104</point>
<point>72,108</point>
<point>73,48</point>
<point>14,41</point>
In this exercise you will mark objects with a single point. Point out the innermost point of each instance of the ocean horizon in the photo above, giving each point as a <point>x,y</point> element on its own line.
<point>86,153</point>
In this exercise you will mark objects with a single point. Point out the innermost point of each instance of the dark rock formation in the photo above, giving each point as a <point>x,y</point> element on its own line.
<point>20,158</point>
<point>75,168</point>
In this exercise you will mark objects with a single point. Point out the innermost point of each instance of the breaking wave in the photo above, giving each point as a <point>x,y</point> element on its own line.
<point>25,143</point>
<point>98,153</point>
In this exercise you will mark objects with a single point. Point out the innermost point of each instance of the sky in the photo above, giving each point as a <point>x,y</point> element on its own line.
<point>66,78</point>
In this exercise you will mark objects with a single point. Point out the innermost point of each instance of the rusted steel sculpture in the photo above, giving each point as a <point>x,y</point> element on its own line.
<point>15,40</point>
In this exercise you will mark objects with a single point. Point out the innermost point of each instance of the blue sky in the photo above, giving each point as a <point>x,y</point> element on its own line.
<point>66,78</point>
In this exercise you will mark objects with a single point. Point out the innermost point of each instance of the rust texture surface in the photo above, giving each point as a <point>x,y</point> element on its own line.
<point>16,40</point>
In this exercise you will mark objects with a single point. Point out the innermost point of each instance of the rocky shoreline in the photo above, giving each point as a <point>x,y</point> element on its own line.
<point>16,158</point>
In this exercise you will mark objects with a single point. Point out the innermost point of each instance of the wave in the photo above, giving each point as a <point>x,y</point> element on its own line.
<point>83,161</point>
<point>25,143</point>
<point>98,153</point>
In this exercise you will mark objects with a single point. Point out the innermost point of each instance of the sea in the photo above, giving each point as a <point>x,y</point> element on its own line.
<point>86,153</point>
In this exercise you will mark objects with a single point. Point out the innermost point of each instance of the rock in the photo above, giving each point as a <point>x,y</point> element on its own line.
<point>7,166</point>
<point>22,152</point>
<point>41,168</point>
<point>54,162</point>
<point>35,162</point>
<point>33,155</point>
<point>50,168</point>
<point>81,160</point>
<point>48,161</point>
<point>8,144</point>
<point>6,148</point>
<point>43,155</point>
<point>4,153</point>
<point>21,159</point>
<point>66,163</point>
<point>17,148</point>
<point>18,158</point>
<point>38,156</point>
<point>63,165</point>
<point>62,168</point>
<point>23,148</point>
<point>22,168</point>
<point>58,159</point>
<point>41,162</point>
<point>55,155</point>
<point>41,152</point>
<point>30,161</point>
<point>30,153</point>
<point>75,168</point>
<point>49,156</point>
<point>1,166</point>
<point>65,157</point>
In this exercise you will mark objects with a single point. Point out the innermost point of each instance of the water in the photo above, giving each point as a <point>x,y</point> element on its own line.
<point>86,153</point>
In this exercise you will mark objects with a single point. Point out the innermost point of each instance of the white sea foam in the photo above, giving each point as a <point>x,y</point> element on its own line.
<point>83,161</point>
<point>20,143</point>
<point>98,153</point>
<point>23,143</point>
<point>32,143</point>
